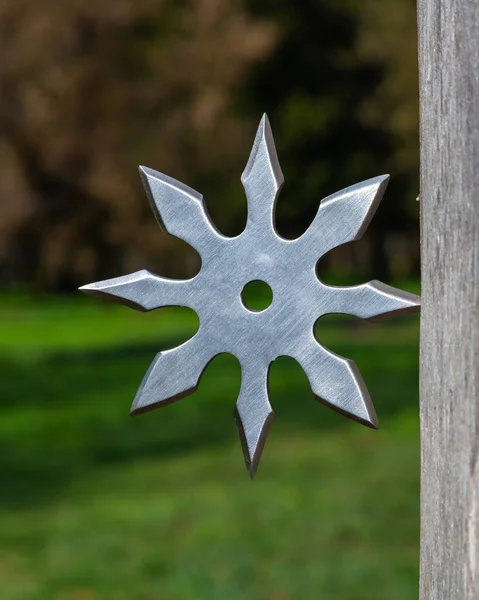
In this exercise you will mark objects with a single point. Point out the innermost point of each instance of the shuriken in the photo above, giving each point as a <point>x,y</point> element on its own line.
<point>299,297</point>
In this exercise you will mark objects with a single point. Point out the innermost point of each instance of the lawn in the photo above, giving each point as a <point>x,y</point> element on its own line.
<point>96,505</point>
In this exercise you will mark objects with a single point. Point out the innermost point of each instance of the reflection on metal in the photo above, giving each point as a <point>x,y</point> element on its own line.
<point>299,297</point>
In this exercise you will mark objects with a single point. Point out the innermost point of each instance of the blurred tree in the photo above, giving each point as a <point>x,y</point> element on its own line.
<point>314,89</point>
<point>342,90</point>
<point>90,90</point>
<point>388,31</point>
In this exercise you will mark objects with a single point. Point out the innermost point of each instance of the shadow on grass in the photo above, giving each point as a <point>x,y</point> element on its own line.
<point>68,412</point>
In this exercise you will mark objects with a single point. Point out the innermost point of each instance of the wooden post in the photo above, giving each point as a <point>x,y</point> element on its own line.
<point>449,109</point>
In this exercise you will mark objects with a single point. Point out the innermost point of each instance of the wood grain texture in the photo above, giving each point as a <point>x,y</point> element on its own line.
<point>449,83</point>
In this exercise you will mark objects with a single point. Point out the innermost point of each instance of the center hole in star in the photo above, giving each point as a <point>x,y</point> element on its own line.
<point>257,295</point>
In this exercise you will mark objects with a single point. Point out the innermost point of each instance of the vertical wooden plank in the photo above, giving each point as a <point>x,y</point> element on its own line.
<point>449,109</point>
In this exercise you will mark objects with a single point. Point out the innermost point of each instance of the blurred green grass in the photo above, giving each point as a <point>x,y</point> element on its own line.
<point>95,505</point>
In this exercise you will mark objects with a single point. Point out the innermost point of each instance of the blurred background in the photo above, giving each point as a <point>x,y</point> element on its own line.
<point>95,505</point>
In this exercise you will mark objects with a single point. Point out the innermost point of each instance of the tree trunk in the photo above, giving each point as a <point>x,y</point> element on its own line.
<point>449,103</point>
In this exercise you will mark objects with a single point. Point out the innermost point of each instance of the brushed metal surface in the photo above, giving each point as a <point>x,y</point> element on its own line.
<point>257,338</point>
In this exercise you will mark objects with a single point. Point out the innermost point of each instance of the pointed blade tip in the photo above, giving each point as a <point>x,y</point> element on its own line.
<point>136,410</point>
<point>88,288</point>
<point>417,301</point>
<point>265,122</point>
<point>371,419</point>
<point>264,139</point>
<point>252,464</point>
<point>381,180</point>
<point>412,303</point>
<point>264,132</point>
<point>253,451</point>
<point>145,172</point>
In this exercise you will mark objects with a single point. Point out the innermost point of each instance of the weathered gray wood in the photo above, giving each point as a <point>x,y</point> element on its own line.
<point>449,81</point>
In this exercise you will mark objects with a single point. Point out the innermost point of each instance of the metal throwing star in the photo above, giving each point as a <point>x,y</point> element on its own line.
<point>299,297</point>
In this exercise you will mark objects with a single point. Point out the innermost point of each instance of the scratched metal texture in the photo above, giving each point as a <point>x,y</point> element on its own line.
<point>285,328</point>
